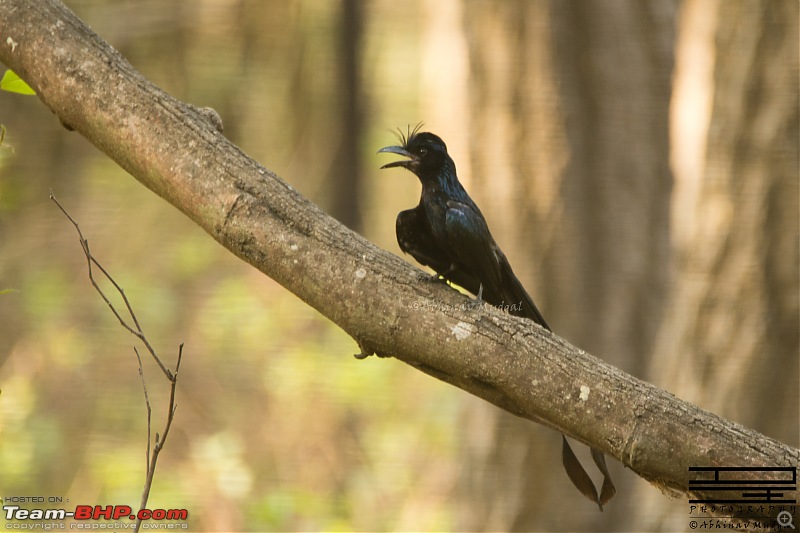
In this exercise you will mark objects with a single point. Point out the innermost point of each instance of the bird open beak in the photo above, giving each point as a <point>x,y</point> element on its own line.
<point>399,150</point>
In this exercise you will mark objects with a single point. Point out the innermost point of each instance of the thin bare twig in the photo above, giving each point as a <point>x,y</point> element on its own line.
<point>90,260</point>
<point>149,412</point>
<point>136,330</point>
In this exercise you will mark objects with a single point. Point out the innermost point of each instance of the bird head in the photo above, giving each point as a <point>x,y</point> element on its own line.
<point>425,151</point>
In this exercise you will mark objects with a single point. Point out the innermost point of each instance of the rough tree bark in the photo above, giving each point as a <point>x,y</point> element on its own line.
<point>178,152</point>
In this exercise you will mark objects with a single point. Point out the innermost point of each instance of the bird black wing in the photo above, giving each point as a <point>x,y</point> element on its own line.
<point>469,239</point>
<point>415,238</point>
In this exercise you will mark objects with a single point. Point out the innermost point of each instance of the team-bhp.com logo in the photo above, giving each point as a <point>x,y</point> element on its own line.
<point>94,512</point>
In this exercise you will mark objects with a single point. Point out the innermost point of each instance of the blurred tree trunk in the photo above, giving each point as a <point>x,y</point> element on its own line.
<point>730,339</point>
<point>345,175</point>
<point>324,99</point>
<point>570,160</point>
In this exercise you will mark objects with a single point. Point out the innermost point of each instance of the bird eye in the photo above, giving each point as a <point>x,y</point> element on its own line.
<point>423,151</point>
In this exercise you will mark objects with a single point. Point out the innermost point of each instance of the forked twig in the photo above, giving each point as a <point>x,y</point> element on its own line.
<point>136,330</point>
<point>160,440</point>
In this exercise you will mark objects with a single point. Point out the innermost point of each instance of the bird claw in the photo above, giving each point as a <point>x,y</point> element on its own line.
<point>431,278</point>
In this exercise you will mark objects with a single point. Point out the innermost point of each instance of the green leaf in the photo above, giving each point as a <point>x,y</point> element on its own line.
<point>4,291</point>
<point>14,84</point>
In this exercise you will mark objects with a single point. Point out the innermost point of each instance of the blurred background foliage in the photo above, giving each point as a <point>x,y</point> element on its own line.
<point>637,161</point>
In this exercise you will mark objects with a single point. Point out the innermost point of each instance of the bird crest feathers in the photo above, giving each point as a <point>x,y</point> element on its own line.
<point>405,138</point>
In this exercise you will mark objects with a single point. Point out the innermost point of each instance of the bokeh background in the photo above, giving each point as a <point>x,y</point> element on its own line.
<point>637,160</point>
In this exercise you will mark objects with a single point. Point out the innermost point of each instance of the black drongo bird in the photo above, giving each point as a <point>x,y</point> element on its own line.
<point>448,233</point>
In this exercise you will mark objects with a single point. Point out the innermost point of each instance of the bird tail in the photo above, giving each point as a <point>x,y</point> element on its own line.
<point>512,292</point>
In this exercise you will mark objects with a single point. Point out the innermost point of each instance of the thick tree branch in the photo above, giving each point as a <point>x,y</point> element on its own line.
<point>176,151</point>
